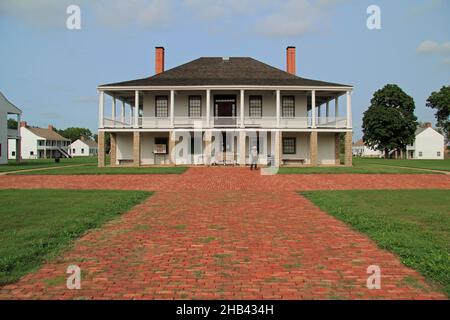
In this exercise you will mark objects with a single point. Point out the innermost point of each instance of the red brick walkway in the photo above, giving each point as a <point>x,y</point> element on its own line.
<point>230,234</point>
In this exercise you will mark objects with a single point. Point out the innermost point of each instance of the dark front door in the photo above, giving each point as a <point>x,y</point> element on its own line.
<point>225,110</point>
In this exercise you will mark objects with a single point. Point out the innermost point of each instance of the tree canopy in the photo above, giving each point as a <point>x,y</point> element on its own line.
<point>12,124</point>
<point>74,134</point>
<point>440,101</point>
<point>389,123</point>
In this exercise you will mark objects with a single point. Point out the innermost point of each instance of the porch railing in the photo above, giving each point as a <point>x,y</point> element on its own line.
<point>229,122</point>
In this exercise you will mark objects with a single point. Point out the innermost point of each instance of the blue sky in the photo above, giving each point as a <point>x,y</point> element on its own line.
<point>52,72</point>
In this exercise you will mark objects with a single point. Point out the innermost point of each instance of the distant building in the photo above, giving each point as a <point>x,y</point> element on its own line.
<point>38,143</point>
<point>8,135</point>
<point>83,147</point>
<point>361,150</point>
<point>429,144</point>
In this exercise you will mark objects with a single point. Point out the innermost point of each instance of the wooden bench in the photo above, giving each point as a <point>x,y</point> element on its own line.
<point>284,161</point>
<point>125,161</point>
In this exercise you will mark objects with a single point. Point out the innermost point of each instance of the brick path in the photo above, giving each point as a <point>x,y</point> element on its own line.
<point>231,235</point>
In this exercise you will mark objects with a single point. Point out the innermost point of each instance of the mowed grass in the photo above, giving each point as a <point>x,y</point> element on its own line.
<point>441,165</point>
<point>413,224</point>
<point>95,170</point>
<point>44,163</point>
<point>360,166</point>
<point>36,225</point>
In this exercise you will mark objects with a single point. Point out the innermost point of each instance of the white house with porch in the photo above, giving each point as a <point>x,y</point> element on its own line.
<point>428,144</point>
<point>212,110</point>
<point>40,143</point>
<point>8,135</point>
<point>83,147</point>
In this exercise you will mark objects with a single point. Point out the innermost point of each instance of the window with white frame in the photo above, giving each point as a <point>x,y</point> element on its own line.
<point>288,107</point>
<point>255,106</point>
<point>161,107</point>
<point>289,146</point>
<point>195,106</point>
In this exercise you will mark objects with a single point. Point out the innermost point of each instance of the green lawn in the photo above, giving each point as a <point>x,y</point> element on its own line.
<point>442,165</point>
<point>359,167</point>
<point>39,228</point>
<point>43,163</point>
<point>413,224</point>
<point>93,169</point>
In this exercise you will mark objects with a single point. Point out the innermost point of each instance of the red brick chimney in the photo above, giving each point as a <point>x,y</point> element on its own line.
<point>83,138</point>
<point>23,124</point>
<point>159,60</point>
<point>428,125</point>
<point>50,127</point>
<point>290,60</point>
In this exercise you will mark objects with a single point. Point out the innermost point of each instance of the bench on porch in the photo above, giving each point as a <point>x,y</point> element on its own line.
<point>298,160</point>
<point>224,158</point>
<point>125,161</point>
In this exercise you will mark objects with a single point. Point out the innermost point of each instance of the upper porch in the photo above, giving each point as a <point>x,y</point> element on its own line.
<point>225,107</point>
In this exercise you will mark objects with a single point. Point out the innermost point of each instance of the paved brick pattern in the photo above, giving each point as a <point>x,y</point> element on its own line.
<point>248,237</point>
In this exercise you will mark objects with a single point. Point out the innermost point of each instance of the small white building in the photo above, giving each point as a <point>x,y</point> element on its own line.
<point>38,143</point>
<point>8,135</point>
<point>83,147</point>
<point>361,150</point>
<point>429,144</point>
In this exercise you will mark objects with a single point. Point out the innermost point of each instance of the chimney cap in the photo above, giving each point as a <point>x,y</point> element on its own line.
<point>159,47</point>
<point>290,47</point>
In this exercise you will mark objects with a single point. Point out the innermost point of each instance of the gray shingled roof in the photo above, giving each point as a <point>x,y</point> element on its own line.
<point>218,71</point>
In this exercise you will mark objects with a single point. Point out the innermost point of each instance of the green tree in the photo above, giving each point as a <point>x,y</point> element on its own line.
<point>389,123</point>
<point>12,124</point>
<point>73,133</point>
<point>441,102</point>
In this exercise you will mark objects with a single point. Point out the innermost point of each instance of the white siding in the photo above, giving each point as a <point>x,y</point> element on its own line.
<point>429,142</point>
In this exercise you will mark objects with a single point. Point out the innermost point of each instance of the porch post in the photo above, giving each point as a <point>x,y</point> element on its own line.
<point>136,148</point>
<point>101,149</point>
<point>313,109</point>
<point>348,149</point>
<point>113,110</point>
<point>113,149</point>
<point>101,109</point>
<point>122,112</point>
<point>207,152</point>
<point>327,111</point>
<point>208,108</point>
<point>19,140</point>
<point>313,148</point>
<point>242,103</point>
<point>172,141</point>
<point>319,114</point>
<point>136,109</point>
<point>336,107</point>
<point>278,105</point>
<point>337,148</point>
<point>172,108</point>
<point>278,147</point>
<point>242,148</point>
<point>349,110</point>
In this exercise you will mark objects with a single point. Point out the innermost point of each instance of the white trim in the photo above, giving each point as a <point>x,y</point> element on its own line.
<point>136,108</point>
<point>278,107</point>
<point>208,108</point>
<point>313,109</point>
<point>233,87</point>
<point>101,106</point>
<point>225,129</point>
<point>241,107</point>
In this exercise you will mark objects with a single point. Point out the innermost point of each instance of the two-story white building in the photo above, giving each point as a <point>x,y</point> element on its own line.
<point>8,135</point>
<point>428,144</point>
<point>216,109</point>
<point>38,143</point>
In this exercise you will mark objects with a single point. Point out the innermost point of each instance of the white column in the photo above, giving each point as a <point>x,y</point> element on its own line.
<point>101,109</point>
<point>113,109</point>
<point>327,110</point>
<point>278,104</point>
<point>136,109</point>
<point>349,109</point>
<point>208,108</point>
<point>122,112</point>
<point>313,108</point>
<point>172,108</point>
<point>241,102</point>
<point>336,107</point>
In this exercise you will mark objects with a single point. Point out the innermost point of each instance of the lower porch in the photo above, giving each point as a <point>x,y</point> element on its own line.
<point>231,147</point>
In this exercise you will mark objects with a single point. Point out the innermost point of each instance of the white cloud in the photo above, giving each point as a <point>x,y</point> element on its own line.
<point>297,17</point>
<point>432,47</point>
